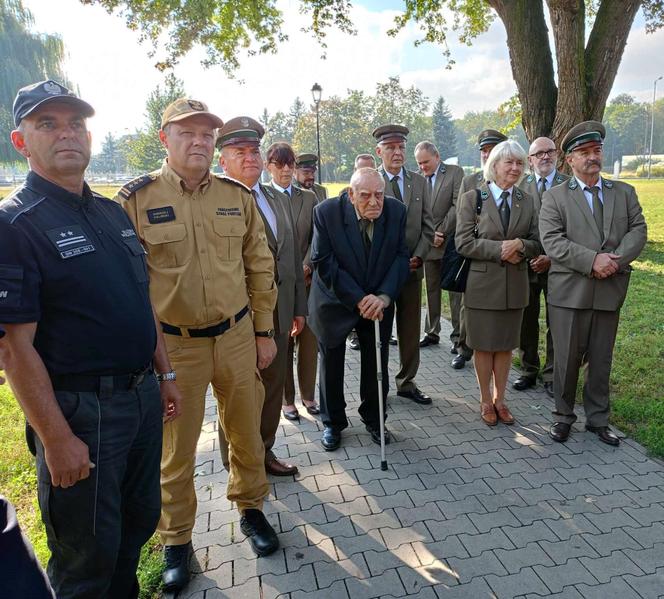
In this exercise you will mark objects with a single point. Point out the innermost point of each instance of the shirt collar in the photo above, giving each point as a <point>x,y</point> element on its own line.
<point>549,178</point>
<point>178,182</point>
<point>51,190</point>
<point>496,191</point>
<point>390,176</point>
<point>583,186</point>
<point>288,189</point>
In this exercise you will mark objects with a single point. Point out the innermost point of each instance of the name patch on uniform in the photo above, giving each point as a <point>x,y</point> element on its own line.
<point>161,215</point>
<point>70,241</point>
<point>128,233</point>
<point>229,212</point>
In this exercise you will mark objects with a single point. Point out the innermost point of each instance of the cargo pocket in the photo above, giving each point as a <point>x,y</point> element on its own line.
<point>229,237</point>
<point>167,245</point>
<point>137,258</point>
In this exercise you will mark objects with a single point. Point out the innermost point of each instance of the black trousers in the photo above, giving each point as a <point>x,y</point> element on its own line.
<point>96,528</point>
<point>332,364</point>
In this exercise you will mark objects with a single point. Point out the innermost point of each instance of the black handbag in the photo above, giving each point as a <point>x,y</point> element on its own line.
<point>455,267</point>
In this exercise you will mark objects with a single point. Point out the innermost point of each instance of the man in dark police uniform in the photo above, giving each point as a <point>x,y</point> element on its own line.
<point>80,340</point>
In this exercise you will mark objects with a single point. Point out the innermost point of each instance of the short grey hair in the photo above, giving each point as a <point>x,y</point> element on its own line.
<point>427,146</point>
<point>364,172</point>
<point>502,151</point>
<point>363,157</point>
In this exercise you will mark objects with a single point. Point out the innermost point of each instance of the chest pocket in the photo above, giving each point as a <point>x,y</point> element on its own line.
<point>229,237</point>
<point>137,258</point>
<point>167,245</point>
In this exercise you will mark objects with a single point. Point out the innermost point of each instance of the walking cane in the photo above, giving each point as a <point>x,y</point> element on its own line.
<point>381,399</point>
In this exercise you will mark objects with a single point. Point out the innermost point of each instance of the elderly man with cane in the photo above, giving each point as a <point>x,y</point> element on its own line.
<point>360,263</point>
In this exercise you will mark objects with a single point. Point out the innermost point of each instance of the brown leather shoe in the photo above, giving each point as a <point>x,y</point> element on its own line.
<point>488,414</point>
<point>504,415</point>
<point>278,468</point>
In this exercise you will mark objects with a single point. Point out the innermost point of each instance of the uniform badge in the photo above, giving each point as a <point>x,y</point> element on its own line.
<point>559,179</point>
<point>484,195</point>
<point>530,178</point>
<point>244,122</point>
<point>196,105</point>
<point>161,215</point>
<point>572,183</point>
<point>518,194</point>
<point>70,241</point>
<point>234,211</point>
<point>608,184</point>
<point>52,88</point>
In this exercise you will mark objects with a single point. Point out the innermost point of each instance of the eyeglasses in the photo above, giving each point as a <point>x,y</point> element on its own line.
<point>282,165</point>
<point>548,153</point>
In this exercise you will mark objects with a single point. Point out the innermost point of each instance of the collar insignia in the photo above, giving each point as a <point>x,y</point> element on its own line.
<point>484,195</point>
<point>572,183</point>
<point>530,179</point>
<point>607,184</point>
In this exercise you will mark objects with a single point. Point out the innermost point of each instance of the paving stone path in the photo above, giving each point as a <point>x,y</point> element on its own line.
<point>463,511</point>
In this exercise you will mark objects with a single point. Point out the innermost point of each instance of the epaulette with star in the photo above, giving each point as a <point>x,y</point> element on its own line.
<point>135,184</point>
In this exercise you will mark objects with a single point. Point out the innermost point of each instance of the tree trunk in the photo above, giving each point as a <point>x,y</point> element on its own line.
<point>532,63</point>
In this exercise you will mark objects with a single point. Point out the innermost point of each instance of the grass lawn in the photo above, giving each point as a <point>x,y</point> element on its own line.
<point>637,380</point>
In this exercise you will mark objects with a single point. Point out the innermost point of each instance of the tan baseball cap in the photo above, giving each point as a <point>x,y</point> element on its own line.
<point>183,108</point>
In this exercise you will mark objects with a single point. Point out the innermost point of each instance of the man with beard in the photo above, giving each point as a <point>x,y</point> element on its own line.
<point>306,166</point>
<point>542,156</point>
<point>411,189</point>
<point>591,229</point>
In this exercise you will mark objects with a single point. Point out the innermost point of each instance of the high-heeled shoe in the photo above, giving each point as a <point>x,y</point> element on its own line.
<point>312,408</point>
<point>292,415</point>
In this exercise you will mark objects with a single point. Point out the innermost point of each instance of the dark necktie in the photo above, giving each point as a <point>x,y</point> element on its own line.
<point>430,180</point>
<point>598,209</point>
<point>505,211</point>
<point>287,193</point>
<point>395,188</point>
<point>542,186</point>
<point>364,232</point>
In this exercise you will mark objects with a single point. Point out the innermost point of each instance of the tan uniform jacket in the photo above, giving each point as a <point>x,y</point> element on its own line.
<point>443,204</point>
<point>529,185</point>
<point>291,296</point>
<point>207,251</point>
<point>419,221</point>
<point>571,239</point>
<point>472,181</point>
<point>492,284</point>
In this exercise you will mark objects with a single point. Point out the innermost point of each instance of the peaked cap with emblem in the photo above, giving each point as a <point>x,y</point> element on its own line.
<point>583,133</point>
<point>386,133</point>
<point>240,130</point>
<point>37,94</point>
<point>183,108</point>
<point>490,137</point>
<point>306,161</point>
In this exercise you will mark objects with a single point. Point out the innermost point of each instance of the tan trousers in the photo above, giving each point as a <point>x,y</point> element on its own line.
<point>228,362</point>
<point>307,365</point>
<point>409,318</point>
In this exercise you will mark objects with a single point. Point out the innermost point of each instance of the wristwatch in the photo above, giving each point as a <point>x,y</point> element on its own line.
<point>166,376</point>
<point>269,333</point>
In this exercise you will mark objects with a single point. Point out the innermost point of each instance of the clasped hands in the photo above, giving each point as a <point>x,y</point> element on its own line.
<point>371,307</point>
<point>605,265</point>
<point>511,250</point>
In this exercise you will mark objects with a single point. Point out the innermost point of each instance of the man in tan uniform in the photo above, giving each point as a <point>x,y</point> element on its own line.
<point>212,285</point>
<point>486,141</point>
<point>542,157</point>
<point>239,141</point>
<point>411,189</point>
<point>306,166</point>
<point>443,181</point>
<point>591,229</point>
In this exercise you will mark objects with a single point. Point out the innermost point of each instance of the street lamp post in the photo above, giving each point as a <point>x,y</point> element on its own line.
<point>652,121</point>
<point>316,92</point>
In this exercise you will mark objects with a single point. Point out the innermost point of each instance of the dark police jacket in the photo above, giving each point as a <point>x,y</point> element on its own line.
<point>74,265</point>
<point>342,273</point>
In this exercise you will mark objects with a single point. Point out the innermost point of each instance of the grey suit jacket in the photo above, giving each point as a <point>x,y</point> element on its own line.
<point>288,275</point>
<point>419,220</point>
<point>443,204</point>
<point>303,203</point>
<point>492,284</point>
<point>320,191</point>
<point>472,181</point>
<point>571,239</point>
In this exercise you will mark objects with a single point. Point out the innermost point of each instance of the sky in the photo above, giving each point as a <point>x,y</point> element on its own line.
<point>114,73</point>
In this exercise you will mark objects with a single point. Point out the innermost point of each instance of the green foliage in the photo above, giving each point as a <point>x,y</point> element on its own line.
<point>656,170</point>
<point>144,150</point>
<point>444,132</point>
<point>25,57</point>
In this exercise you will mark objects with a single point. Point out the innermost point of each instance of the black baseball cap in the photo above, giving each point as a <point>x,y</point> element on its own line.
<point>32,96</point>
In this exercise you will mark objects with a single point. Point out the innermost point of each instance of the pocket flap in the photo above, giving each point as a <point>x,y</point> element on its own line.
<point>478,266</point>
<point>9,272</point>
<point>135,246</point>
<point>229,227</point>
<point>164,233</point>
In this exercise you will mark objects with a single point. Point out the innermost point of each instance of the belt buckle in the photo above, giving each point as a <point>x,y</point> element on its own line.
<point>136,379</point>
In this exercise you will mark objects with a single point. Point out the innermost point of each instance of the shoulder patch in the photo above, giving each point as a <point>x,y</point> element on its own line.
<point>572,183</point>
<point>136,184</point>
<point>608,184</point>
<point>231,180</point>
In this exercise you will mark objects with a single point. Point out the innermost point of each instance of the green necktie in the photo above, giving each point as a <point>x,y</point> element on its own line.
<point>598,210</point>
<point>395,188</point>
<point>505,211</point>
